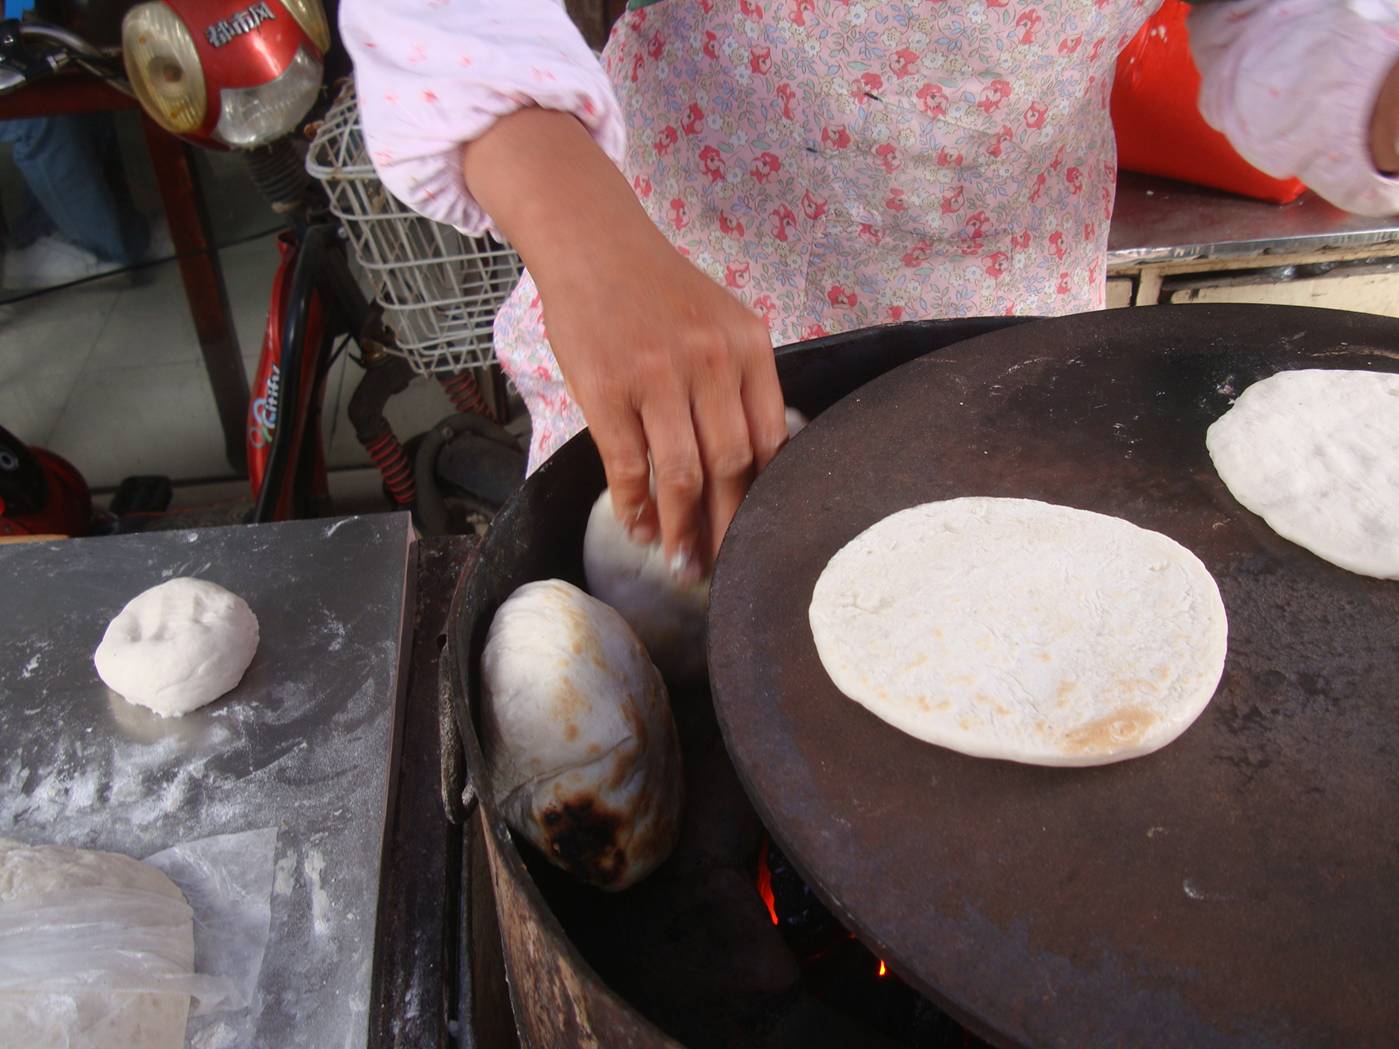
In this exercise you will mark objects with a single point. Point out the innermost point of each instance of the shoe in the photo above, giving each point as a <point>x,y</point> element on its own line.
<point>51,261</point>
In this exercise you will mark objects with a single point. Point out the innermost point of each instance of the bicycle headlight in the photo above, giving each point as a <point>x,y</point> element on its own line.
<point>254,116</point>
<point>310,15</point>
<point>162,63</point>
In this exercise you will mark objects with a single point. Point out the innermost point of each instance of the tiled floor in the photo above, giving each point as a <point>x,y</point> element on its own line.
<point>109,374</point>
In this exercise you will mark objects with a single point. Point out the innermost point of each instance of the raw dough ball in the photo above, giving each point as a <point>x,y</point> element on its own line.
<point>1315,453</point>
<point>579,737</point>
<point>52,874</point>
<point>634,579</point>
<point>1015,629</point>
<point>178,646</point>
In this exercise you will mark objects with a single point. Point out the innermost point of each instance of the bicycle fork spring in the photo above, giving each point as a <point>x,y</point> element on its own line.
<point>394,467</point>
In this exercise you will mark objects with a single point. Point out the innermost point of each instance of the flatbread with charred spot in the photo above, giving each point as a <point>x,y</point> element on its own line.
<point>582,749</point>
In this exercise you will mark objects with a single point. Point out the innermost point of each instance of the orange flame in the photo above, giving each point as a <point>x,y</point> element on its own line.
<point>765,883</point>
<point>883,969</point>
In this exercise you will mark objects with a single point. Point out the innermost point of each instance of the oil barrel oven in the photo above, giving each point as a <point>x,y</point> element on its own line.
<point>839,884</point>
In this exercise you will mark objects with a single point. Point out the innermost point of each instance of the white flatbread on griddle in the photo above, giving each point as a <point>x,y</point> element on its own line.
<point>1015,629</point>
<point>1315,453</point>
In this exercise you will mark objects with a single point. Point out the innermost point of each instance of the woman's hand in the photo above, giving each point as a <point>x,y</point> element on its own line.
<point>661,360</point>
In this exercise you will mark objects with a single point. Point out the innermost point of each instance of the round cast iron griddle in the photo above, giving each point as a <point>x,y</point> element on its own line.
<point>1239,887</point>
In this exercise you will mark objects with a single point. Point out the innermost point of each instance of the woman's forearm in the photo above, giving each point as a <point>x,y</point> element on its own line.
<point>556,197</point>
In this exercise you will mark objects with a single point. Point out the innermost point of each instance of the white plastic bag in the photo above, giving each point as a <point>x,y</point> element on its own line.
<point>227,879</point>
<point>74,964</point>
<point>103,939</point>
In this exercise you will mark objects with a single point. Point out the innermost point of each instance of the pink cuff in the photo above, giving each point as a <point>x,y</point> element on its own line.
<point>433,75</point>
<point>1293,83</point>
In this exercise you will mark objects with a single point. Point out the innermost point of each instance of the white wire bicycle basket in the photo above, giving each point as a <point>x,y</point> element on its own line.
<point>439,289</point>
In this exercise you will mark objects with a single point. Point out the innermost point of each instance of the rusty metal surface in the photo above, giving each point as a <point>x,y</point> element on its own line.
<point>1234,889</point>
<point>558,1000</point>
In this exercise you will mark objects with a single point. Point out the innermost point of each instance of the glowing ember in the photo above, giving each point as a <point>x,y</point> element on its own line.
<point>765,883</point>
<point>883,969</point>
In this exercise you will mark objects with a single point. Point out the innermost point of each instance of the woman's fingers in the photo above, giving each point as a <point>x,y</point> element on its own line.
<point>763,406</point>
<point>679,476</point>
<point>726,451</point>
<point>621,441</point>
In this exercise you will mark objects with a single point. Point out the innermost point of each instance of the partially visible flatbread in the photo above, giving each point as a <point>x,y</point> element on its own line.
<point>1014,629</point>
<point>1315,453</point>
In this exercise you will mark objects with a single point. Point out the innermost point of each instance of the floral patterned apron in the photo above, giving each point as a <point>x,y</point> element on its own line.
<point>838,164</point>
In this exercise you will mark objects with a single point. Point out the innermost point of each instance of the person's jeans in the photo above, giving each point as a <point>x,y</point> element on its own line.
<point>62,160</point>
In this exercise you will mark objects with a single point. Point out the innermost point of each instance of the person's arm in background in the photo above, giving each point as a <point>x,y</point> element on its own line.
<point>494,113</point>
<point>1307,88</point>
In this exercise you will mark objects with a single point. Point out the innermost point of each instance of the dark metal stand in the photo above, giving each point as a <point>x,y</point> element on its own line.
<point>437,943</point>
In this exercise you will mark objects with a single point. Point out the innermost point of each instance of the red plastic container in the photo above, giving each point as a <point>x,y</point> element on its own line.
<point>1159,127</point>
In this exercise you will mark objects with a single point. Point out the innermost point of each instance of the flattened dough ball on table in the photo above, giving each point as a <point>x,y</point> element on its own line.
<point>578,734</point>
<point>1315,453</point>
<point>1021,630</point>
<point>178,646</point>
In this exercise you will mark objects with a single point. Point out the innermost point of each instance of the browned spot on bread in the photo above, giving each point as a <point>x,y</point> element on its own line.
<point>1124,727</point>
<point>585,837</point>
<point>570,732</point>
<point>570,704</point>
<point>1042,656</point>
<point>584,641</point>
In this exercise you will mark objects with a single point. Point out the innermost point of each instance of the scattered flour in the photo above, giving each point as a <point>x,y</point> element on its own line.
<point>337,526</point>
<point>217,1036</point>
<point>92,787</point>
<point>336,630</point>
<point>320,899</point>
<point>1194,891</point>
<point>282,875</point>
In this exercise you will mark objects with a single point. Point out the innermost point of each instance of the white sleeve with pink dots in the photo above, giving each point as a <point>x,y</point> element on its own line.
<point>1293,83</point>
<point>432,75</point>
